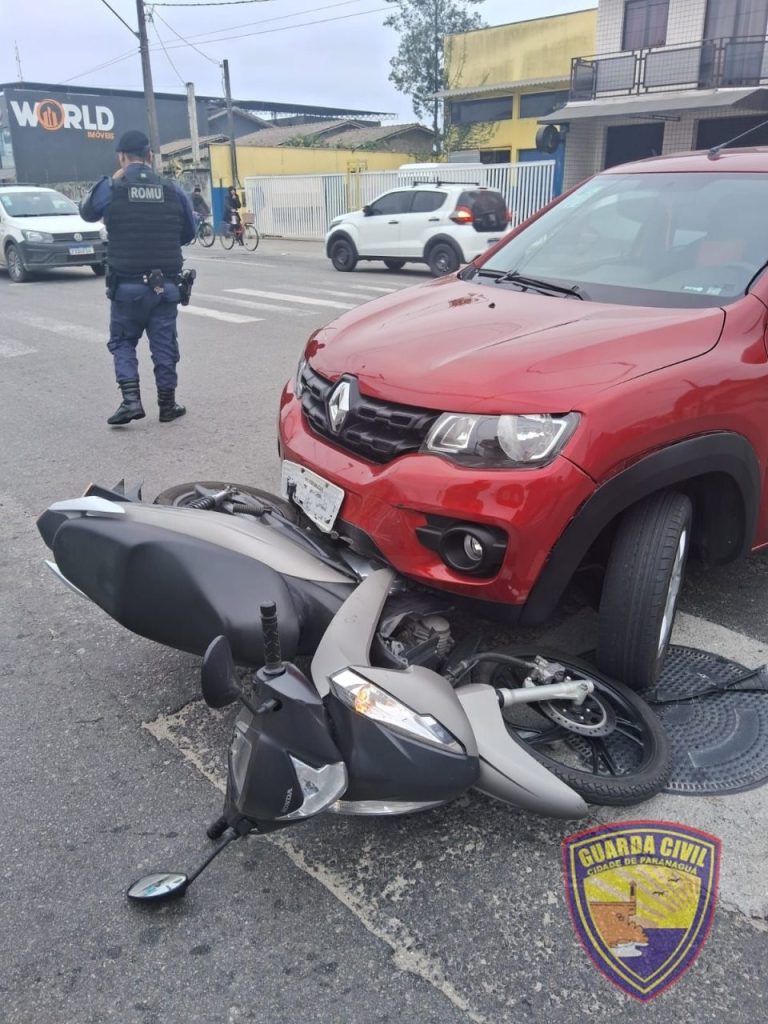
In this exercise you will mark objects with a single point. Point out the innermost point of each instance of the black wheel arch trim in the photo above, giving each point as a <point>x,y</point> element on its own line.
<point>446,240</point>
<point>680,463</point>
<point>339,236</point>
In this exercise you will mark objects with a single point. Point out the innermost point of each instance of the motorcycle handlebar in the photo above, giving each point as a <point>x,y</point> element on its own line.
<point>273,660</point>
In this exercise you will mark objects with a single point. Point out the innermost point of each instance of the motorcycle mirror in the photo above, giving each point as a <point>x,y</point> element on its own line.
<point>219,679</point>
<point>162,885</point>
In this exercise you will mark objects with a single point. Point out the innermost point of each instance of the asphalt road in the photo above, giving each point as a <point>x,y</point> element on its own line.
<point>110,764</point>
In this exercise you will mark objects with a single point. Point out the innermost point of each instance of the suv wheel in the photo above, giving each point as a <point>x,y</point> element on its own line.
<point>394,264</point>
<point>343,255</point>
<point>99,269</point>
<point>641,588</point>
<point>443,259</point>
<point>17,272</point>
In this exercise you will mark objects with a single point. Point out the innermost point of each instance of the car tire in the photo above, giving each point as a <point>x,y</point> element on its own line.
<point>17,272</point>
<point>99,269</point>
<point>443,259</point>
<point>394,264</point>
<point>641,588</point>
<point>343,255</point>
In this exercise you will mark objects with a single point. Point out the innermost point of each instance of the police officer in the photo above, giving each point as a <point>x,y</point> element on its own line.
<point>148,219</point>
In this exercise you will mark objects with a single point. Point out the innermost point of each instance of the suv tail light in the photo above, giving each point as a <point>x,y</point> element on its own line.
<point>462,215</point>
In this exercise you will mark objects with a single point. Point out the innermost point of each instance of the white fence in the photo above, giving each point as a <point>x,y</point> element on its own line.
<point>303,205</point>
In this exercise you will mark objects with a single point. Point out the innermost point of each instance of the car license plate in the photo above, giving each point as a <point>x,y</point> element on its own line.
<point>81,250</point>
<point>319,499</point>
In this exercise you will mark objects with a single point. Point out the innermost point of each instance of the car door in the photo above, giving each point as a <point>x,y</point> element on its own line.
<point>3,231</point>
<point>426,217</point>
<point>379,232</point>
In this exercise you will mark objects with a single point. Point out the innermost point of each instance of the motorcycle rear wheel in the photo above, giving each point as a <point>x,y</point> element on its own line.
<point>612,750</point>
<point>184,494</point>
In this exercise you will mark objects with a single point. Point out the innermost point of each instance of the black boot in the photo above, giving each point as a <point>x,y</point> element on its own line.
<point>130,408</point>
<point>169,410</point>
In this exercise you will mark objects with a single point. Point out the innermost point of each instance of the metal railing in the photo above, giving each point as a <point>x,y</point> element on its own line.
<point>301,206</point>
<point>707,64</point>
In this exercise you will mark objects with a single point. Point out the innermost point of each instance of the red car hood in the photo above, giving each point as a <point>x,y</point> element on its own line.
<point>463,346</point>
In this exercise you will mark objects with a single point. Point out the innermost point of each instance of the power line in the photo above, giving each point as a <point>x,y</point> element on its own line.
<point>214,3</point>
<point>167,55</point>
<point>265,21</point>
<point>185,41</point>
<point>100,67</point>
<point>119,18</point>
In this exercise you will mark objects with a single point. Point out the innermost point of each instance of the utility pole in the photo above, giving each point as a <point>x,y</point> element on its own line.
<point>230,124</point>
<point>193,136</point>
<point>149,92</point>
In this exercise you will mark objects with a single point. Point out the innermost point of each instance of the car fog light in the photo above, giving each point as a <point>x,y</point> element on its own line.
<point>473,549</point>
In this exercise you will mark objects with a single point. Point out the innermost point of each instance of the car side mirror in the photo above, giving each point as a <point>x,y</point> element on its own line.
<point>368,211</point>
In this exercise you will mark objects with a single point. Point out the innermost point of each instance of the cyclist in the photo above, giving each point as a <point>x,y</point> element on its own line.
<point>201,209</point>
<point>231,217</point>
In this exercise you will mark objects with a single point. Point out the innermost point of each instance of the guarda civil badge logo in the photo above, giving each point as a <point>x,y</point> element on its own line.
<point>642,895</point>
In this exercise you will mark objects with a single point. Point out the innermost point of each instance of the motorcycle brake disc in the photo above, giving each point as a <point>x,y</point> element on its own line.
<point>593,718</point>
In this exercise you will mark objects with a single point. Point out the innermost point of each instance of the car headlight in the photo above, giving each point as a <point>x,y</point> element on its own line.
<point>371,701</point>
<point>37,236</point>
<point>500,441</point>
<point>298,383</point>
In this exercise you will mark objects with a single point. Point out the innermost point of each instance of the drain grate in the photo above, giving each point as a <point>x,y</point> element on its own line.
<point>719,742</point>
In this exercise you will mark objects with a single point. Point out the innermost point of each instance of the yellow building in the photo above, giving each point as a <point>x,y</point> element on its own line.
<point>501,80</point>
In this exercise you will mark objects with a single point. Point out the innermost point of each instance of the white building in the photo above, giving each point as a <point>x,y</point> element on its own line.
<point>668,76</point>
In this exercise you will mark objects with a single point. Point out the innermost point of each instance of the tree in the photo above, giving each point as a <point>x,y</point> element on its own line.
<point>418,67</point>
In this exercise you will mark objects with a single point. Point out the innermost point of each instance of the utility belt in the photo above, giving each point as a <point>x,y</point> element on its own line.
<point>154,279</point>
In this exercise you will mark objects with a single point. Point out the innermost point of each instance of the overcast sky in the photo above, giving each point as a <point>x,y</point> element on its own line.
<point>341,62</point>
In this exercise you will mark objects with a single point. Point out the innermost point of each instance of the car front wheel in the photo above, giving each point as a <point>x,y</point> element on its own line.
<point>17,272</point>
<point>642,587</point>
<point>443,259</point>
<point>343,255</point>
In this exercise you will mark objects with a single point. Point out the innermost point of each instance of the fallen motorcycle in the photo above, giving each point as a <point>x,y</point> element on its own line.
<point>393,715</point>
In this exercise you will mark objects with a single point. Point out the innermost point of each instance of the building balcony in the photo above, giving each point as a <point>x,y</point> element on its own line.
<point>707,64</point>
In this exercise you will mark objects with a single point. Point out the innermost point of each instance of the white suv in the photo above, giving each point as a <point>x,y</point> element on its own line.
<point>442,225</point>
<point>40,229</point>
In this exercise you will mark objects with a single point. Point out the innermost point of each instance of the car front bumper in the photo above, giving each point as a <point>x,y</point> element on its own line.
<point>390,502</point>
<point>44,255</point>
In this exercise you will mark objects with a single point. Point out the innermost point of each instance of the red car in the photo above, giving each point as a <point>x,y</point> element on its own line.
<point>592,392</point>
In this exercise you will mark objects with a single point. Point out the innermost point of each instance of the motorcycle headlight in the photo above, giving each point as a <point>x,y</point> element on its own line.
<point>371,701</point>
<point>37,236</point>
<point>500,441</point>
<point>298,383</point>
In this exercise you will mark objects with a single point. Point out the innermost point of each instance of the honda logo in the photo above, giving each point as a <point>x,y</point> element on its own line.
<point>338,405</point>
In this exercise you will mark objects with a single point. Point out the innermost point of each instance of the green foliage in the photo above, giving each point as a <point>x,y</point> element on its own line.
<point>418,67</point>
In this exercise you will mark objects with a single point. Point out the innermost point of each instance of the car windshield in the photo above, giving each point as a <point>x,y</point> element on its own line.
<point>654,239</point>
<point>37,204</point>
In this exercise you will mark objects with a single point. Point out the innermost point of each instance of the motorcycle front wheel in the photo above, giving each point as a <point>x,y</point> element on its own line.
<point>184,494</point>
<point>612,749</point>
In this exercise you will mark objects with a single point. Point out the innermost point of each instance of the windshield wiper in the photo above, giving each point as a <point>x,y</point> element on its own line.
<point>537,283</point>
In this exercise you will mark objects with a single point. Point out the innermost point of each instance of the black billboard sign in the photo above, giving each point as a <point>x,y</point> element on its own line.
<point>66,137</point>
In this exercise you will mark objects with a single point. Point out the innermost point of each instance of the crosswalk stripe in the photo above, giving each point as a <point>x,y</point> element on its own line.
<point>10,348</point>
<point>220,314</point>
<point>78,332</point>
<point>327,291</point>
<point>223,258</point>
<point>249,304</point>
<point>290,297</point>
<point>375,288</point>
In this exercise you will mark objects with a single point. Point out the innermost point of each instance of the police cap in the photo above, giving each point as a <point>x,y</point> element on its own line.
<point>132,142</point>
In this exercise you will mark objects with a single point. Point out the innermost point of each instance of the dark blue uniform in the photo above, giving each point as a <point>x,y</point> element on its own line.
<point>135,250</point>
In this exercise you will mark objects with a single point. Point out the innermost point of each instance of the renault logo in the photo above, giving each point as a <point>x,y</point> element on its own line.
<point>338,406</point>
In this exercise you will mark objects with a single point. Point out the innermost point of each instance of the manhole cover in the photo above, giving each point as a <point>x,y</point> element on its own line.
<point>719,742</point>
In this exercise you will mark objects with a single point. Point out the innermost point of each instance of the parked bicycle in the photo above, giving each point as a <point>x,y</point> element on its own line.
<point>243,234</point>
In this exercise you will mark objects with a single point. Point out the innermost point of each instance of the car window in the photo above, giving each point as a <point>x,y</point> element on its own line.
<point>425,201</point>
<point>392,202</point>
<point>488,208</point>
<point>37,204</point>
<point>685,239</point>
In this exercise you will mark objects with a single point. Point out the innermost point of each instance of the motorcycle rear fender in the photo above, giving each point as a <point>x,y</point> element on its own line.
<point>507,771</point>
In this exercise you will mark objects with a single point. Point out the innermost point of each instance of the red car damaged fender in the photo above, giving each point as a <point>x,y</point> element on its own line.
<point>659,375</point>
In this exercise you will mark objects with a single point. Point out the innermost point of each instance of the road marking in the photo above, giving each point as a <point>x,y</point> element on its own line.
<point>76,331</point>
<point>178,730</point>
<point>375,288</point>
<point>290,297</point>
<point>220,314</point>
<point>251,305</point>
<point>227,259</point>
<point>10,348</point>
<point>327,291</point>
